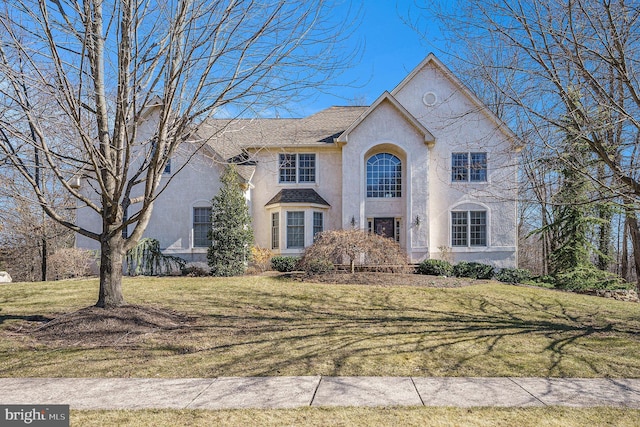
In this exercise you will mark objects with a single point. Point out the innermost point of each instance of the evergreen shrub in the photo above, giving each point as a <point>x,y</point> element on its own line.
<point>435,267</point>
<point>513,275</point>
<point>473,270</point>
<point>588,277</point>
<point>284,264</point>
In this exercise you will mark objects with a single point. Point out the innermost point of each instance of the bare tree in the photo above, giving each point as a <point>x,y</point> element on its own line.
<point>566,68</point>
<point>94,69</point>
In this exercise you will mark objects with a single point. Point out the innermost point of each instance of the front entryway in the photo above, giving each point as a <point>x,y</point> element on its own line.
<point>384,227</point>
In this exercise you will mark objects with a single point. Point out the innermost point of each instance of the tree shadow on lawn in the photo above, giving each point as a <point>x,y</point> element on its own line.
<point>307,334</point>
<point>276,339</point>
<point>32,318</point>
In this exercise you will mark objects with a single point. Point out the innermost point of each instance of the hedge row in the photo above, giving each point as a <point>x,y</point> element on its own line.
<point>473,270</point>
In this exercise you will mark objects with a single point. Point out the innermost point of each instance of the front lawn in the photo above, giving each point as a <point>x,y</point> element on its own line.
<point>255,326</point>
<point>365,417</point>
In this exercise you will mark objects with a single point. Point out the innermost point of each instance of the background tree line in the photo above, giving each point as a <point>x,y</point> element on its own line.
<point>564,76</point>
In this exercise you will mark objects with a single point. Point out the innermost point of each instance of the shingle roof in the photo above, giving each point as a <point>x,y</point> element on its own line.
<point>298,195</point>
<point>230,138</point>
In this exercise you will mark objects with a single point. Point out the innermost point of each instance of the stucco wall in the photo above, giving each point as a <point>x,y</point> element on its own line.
<point>193,186</point>
<point>460,125</point>
<point>386,129</point>
<point>265,181</point>
<point>171,220</point>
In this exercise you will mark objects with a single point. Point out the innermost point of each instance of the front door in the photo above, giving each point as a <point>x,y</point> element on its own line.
<point>384,227</point>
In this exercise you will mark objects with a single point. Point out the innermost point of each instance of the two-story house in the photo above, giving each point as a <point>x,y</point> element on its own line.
<point>428,164</point>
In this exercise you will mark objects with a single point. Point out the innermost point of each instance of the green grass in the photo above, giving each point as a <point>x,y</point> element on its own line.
<point>365,417</point>
<point>255,326</point>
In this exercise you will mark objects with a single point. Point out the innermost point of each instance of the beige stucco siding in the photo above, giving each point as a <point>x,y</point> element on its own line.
<point>459,125</point>
<point>266,185</point>
<point>386,130</point>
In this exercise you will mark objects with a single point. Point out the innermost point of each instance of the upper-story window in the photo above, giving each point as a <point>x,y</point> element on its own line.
<point>384,176</point>
<point>469,167</point>
<point>297,168</point>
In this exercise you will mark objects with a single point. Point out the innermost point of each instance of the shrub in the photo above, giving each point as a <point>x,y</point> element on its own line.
<point>261,258</point>
<point>67,263</point>
<point>357,247</point>
<point>317,266</point>
<point>146,259</point>
<point>587,277</point>
<point>284,264</point>
<point>473,270</point>
<point>513,275</point>
<point>196,269</point>
<point>435,267</point>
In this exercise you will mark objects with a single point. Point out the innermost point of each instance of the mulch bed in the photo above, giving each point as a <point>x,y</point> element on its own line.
<point>94,326</point>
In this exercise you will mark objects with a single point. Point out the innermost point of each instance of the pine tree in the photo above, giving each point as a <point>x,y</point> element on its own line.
<point>231,233</point>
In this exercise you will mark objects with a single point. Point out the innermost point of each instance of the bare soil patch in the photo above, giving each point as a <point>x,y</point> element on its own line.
<point>387,279</point>
<point>94,326</point>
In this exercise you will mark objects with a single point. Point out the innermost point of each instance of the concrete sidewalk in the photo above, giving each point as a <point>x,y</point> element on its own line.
<point>291,392</point>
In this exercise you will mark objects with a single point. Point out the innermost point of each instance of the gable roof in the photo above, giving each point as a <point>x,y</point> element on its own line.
<point>429,139</point>
<point>298,195</point>
<point>431,59</point>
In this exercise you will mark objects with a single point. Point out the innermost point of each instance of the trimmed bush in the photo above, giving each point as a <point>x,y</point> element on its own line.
<point>473,270</point>
<point>435,267</point>
<point>284,264</point>
<point>318,266</point>
<point>513,275</point>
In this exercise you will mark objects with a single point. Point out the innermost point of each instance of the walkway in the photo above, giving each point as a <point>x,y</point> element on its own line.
<point>291,392</point>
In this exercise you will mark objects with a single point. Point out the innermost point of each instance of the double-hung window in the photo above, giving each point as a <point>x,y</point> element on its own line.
<point>468,228</point>
<point>201,227</point>
<point>469,167</point>
<point>295,229</point>
<point>297,168</point>
<point>318,223</point>
<point>275,230</point>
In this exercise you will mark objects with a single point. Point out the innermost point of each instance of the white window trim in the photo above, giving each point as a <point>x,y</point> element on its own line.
<point>198,204</point>
<point>308,210</point>
<point>468,247</point>
<point>297,181</point>
<point>468,181</point>
<point>403,184</point>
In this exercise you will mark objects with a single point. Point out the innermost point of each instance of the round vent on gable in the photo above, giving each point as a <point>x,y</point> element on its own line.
<point>429,99</point>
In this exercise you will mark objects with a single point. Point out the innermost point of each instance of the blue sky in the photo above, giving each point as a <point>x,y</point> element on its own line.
<point>391,49</point>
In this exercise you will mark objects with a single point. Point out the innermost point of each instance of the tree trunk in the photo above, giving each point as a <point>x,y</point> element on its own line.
<point>624,262</point>
<point>111,263</point>
<point>605,214</point>
<point>635,242</point>
<point>43,263</point>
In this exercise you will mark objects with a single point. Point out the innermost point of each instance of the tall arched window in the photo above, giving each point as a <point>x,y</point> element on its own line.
<point>384,176</point>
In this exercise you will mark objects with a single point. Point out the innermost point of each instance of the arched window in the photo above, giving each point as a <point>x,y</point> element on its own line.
<point>384,176</point>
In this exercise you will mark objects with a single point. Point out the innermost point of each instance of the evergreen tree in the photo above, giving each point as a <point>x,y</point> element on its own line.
<point>572,224</point>
<point>573,211</point>
<point>231,233</point>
